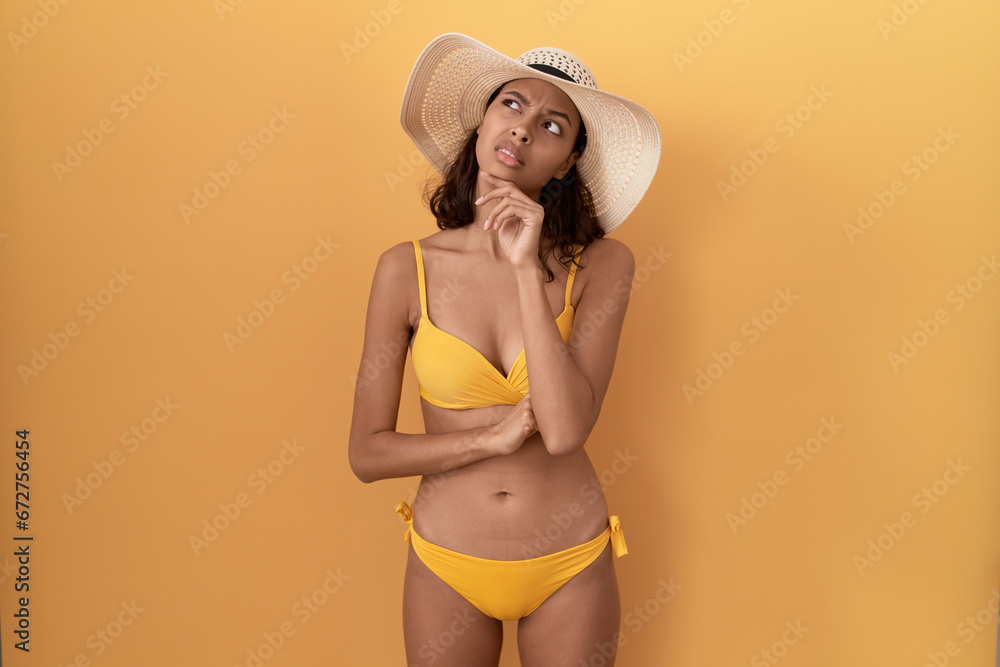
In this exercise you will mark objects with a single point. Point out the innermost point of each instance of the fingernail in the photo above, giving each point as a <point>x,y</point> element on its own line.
<point>479,200</point>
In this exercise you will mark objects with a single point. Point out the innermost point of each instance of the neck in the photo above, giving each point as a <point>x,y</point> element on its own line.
<point>482,240</point>
<point>488,242</point>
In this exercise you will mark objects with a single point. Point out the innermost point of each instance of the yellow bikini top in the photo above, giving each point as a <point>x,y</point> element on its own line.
<point>453,374</point>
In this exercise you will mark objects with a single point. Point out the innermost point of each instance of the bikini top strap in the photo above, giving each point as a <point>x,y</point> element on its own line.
<point>420,277</point>
<point>572,274</point>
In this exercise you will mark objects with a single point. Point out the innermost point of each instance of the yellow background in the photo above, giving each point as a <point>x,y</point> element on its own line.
<point>224,68</point>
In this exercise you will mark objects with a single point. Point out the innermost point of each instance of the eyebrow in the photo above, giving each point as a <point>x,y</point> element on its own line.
<point>525,102</point>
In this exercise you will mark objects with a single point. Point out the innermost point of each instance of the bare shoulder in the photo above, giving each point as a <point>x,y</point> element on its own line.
<point>395,271</point>
<point>608,258</point>
<point>397,265</point>
<point>397,258</point>
<point>403,254</point>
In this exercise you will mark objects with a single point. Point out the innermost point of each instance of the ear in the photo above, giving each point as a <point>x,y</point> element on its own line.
<point>566,165</point>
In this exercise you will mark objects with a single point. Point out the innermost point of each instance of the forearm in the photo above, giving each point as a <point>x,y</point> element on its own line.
<point>561,397</point>
<point>388,454</point>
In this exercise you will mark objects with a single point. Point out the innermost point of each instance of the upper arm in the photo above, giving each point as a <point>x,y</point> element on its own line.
<point>379,380</point>
<point>597,324</point>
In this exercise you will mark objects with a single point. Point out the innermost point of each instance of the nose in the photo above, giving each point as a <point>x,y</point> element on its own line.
<point>519,135</point>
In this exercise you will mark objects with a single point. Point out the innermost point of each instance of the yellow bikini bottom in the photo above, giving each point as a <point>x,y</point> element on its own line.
<point>509,589</point>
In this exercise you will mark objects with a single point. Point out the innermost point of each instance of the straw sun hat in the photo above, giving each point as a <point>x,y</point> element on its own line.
<point>446,95</point>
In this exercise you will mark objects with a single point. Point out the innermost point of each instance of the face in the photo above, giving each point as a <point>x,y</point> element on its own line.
<point>538,123</point>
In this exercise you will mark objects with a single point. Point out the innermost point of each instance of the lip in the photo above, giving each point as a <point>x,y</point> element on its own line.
<point>511,149</point>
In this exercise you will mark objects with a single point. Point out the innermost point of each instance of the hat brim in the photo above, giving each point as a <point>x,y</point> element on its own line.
<point>445,97</point>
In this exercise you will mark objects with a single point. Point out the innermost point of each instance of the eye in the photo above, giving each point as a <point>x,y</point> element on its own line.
<point>558,129</point>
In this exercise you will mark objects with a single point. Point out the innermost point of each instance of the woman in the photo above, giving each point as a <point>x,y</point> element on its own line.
<point>509,521</point>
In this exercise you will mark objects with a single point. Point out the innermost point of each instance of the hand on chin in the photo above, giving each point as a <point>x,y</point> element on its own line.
<point>516,218</point>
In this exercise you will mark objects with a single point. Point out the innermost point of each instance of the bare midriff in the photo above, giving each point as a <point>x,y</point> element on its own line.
<point>511,507</point>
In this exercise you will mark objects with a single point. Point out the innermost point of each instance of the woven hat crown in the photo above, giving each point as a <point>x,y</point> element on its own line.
<point>564,61</point>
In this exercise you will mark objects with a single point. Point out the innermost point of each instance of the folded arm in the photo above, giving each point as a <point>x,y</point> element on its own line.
<point>568,381</point>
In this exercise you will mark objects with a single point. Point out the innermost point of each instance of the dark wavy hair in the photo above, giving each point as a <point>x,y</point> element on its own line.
<point>570,217</point>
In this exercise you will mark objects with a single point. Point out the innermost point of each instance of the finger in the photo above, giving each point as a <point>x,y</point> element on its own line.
<point>511,218</point>
<point>510,215</point>
<point>492,194</point>
<point>509,204</point>
<point>498,213</point>
<point>504,190</point>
